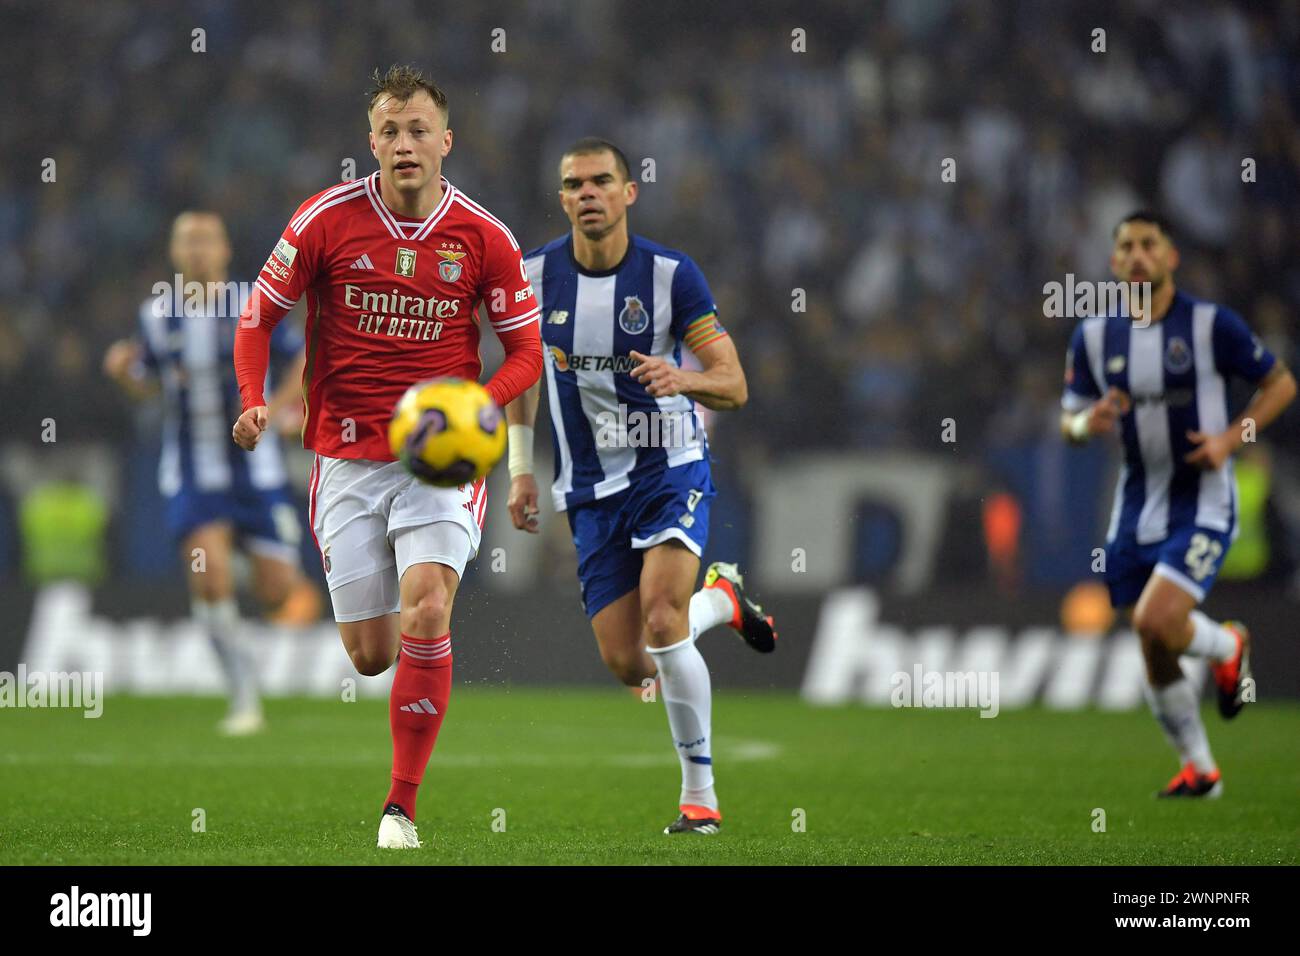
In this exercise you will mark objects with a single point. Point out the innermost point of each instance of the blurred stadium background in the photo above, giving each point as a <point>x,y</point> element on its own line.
<point>877,542</point>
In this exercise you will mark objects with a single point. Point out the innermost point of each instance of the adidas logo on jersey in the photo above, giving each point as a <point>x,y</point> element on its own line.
<point>363,263</point>
<point>421,706</point>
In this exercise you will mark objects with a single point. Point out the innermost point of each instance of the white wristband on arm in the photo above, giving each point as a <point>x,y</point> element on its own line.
<point>1079,426</point>
<point>520,438</point>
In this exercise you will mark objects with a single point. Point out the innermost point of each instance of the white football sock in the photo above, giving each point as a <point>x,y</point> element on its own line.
<point>709,607</point>
<point>220,622</point>
<point>1179,713</point>
<point>688,698</point>
<point>1210,639</point>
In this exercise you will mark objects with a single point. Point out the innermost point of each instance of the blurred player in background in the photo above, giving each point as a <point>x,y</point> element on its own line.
<point>215,495</point>
<point>394,267</point>
<point>617,310</point>
<point>1175,510</point>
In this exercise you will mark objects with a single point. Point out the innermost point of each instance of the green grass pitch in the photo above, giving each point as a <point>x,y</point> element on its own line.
<point>588,776</point>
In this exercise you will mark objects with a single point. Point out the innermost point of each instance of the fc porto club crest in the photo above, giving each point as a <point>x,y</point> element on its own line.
<point>633,319</point>
<point>449,269</point>
<point>405,262</point>
<point>1178,356</point>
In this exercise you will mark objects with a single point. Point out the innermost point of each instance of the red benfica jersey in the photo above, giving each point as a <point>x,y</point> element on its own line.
<point>390,302</point>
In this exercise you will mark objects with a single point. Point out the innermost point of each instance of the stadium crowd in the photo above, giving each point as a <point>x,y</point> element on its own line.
<point>784,152</point>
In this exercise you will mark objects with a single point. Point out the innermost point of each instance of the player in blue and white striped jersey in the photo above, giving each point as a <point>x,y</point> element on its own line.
<point>632,458</point>
<point>216,493</point>
<point>1164,379</point>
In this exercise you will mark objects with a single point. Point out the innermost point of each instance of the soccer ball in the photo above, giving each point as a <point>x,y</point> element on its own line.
<point>447,431</point>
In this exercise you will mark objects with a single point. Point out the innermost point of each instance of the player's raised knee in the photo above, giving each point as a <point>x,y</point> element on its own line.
<point>665,621</point>
<point>1158,627</point>
<point>429,615</point>
<point>370,662</point>
<point>624,664</point>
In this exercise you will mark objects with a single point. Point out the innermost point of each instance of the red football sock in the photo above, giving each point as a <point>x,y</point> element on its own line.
<point>416,706</point>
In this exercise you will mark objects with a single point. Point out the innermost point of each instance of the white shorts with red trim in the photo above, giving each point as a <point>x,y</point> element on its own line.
<point>372,520</point>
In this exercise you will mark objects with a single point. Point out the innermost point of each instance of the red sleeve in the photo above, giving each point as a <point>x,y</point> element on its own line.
<point>522,366</point>
<point>513,310</point>
<point>288,272</point>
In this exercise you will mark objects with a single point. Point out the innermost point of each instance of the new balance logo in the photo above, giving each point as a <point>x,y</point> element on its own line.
<point>363,263</point>
<point>421,706</point>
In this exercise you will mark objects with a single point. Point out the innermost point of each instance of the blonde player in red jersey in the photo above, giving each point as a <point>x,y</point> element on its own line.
<point>394,267</point>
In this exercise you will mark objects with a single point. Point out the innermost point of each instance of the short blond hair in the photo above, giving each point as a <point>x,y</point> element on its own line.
<point>401,82</point>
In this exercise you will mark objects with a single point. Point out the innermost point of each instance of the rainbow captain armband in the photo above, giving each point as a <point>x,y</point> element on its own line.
<point>702,331</point>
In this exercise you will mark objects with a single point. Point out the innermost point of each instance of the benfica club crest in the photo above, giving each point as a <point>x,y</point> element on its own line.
<point>449,268</point>
<point>633,318</point>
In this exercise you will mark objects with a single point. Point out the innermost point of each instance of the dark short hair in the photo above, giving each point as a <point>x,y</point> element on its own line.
<point>1146,215</point>
<point>594,144</point>
<point>203,213</point>
<point>401,82</point>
